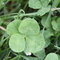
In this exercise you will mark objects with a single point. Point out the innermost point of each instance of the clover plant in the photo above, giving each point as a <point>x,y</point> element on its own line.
<point>29,29</point>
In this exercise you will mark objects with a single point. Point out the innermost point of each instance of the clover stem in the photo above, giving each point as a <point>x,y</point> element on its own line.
<point>53,9</point>
<point>35,13</point>
<point>27,14</point>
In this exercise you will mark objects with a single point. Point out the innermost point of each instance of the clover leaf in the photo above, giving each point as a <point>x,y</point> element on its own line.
<point>12,28</point>
<point>35,43</point>
<point>43,10</point>
<point>25,36</point>
<point>29,27</point>
<point>37,4</point>
<point>52,56</point>
<point>56,24</point>
<point>17,43</point>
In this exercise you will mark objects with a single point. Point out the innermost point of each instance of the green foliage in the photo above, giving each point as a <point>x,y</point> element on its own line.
<point>12,28</point>
<point>43,10</point>
<point>17,43</point>
<point>29,29</point>
<point>46,23</point>
<point>52,56</point>
<point>37,44</point>
<point>37,4</point>
<point>41,54</point>
<point>56,24</point>
<point>26,27</point>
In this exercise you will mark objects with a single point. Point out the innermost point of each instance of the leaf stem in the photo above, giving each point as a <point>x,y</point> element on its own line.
<point>35,13</point>
<point>22,15</point>
<point>53,9</point>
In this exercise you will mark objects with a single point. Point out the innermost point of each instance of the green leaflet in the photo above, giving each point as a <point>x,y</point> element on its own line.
<point>43,20</point>
<point>47,42</point>
<point>45,3</point>
<point>35,43</point>
<point>37,4</point>
<point>56,24</point>
<point>43,11</point>
<point>47,35</point>
<point>52,56</point>
<point>17,43</point>
<point>46,23</point>
<point>12,28</point>
<point>29,27</point>
<point>41,54</point>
